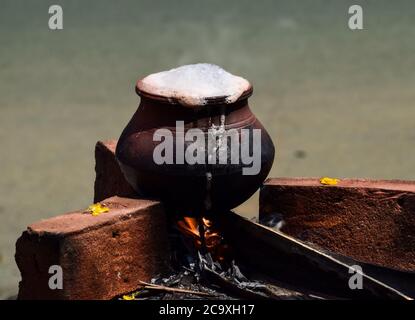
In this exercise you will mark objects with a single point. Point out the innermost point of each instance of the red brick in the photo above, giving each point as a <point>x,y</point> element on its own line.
<point>109,179</point>
<point>371,221</point>
<point>101,256</point>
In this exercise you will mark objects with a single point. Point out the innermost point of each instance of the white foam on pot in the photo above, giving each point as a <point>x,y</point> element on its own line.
<point>193,84</point>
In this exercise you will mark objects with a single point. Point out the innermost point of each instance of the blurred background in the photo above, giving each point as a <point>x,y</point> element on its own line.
<point>336,102</point>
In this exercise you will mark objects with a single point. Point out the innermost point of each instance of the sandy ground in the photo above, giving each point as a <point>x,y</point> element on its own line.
<point>336,102</point>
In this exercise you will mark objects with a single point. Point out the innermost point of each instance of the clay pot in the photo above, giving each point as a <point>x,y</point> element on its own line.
<point>190,189</point>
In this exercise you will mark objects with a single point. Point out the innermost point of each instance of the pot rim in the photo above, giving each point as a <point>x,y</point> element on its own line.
<point>210,101</point>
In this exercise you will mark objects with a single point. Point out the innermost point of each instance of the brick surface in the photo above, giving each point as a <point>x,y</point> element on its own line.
<point>371,221</point>
<point>109,179</point>
<point>101,256</point>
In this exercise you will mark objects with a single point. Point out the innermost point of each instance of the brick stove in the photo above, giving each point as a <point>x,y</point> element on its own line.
<point>106,256</point>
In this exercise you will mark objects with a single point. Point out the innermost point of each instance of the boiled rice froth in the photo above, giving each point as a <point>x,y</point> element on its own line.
<point>193,85</point>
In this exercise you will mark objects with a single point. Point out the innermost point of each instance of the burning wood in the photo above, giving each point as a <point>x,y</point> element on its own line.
<point>203,266</point>
<point>205,236</point>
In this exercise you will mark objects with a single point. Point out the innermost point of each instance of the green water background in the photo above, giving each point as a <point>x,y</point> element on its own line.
<point>336,102</point>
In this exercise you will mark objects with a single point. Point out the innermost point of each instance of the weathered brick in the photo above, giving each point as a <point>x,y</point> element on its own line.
<point>101,256</point>
<point>371,221</point>
<point>109,179</point>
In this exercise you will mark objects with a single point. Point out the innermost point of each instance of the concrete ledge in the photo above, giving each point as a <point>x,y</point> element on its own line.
<point>101,256</point>
<point>109,179</point>
<point>372,221</point>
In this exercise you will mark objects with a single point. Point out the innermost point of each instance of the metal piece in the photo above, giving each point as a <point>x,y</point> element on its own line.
<point>294,262</point>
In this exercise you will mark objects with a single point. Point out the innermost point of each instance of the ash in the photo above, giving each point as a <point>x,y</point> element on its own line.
<point>195,275</point>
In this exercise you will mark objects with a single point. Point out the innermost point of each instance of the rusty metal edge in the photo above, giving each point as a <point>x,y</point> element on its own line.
<point>325,261</point>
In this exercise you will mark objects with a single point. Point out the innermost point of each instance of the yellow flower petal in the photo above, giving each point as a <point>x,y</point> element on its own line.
<point>131,296</point>
<point>329,181</point>
<point>96,209</point>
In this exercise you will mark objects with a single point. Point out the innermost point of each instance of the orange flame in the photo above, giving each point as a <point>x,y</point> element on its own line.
<point>189,226</point>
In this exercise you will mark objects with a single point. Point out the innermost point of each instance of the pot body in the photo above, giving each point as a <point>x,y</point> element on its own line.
<point>199,188</point>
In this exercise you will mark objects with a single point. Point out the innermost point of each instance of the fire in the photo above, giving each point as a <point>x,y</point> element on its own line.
<point>213,241</point>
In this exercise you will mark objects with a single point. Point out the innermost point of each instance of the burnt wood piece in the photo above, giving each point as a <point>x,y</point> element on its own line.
<point>293,262</point>
<point>371,221</point>
<point>109,180</point>
<point>101,256</point>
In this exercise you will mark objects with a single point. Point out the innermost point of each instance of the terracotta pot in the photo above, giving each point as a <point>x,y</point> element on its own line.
<point>190,189</point>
